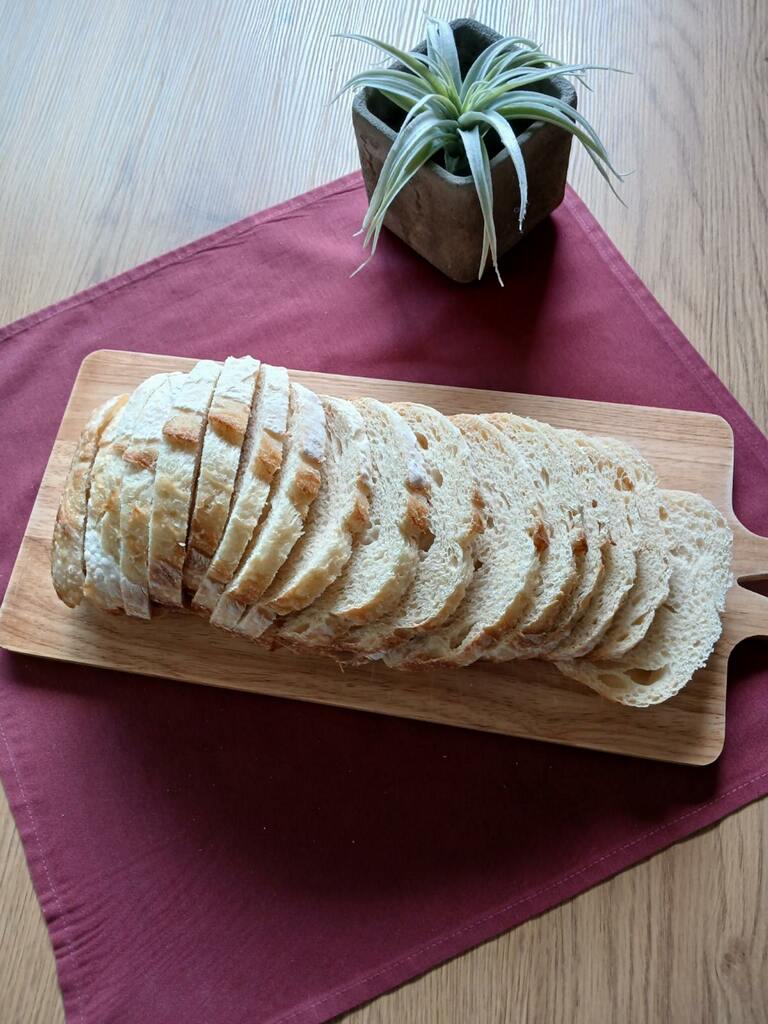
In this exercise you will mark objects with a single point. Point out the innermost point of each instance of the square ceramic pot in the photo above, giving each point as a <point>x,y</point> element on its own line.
<point>437,213</point>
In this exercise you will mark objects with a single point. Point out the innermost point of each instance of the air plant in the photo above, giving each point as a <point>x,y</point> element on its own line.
<point>460,114</point>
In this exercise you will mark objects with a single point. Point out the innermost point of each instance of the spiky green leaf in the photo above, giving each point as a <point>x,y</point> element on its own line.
<point>480,168</point>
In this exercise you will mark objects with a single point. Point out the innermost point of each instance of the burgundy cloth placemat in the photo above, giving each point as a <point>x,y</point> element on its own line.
<point>210,856</point>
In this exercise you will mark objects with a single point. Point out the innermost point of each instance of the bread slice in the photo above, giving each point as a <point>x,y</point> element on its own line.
<point>554,483</point>
<point>384,560</point>
<point>338,514</point>
<point>446,563</point>
<point>687,625</point>
<point>67,555</point>
<point>136,493</point>
<point>102,528</point>
<point>587,539</point>
<point>591,557</point>
<point>228,418</point>
<point>633,619</point>
<point>261,458</point>
<point>176,471</point>
<point>613,486</point>
<point>506,556</point>
<point>294,488</point>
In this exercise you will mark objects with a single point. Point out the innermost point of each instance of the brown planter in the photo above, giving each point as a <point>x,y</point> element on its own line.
<point>437,213</point>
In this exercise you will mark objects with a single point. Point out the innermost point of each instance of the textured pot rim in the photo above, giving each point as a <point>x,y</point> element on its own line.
<point>360,107</point>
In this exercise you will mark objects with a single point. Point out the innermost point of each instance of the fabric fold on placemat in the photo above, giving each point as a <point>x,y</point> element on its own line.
<point>212,856</point>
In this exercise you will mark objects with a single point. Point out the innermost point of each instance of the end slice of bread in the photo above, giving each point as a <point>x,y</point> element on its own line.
<point>228,418</point>
<point>294,488</point>
<point>103,539</point>
<point>261,458</point>
<point>67,554</point>
<point>176,471</point>
<point>506,557</point>
<point>385,556</point>
<point>687,625</point>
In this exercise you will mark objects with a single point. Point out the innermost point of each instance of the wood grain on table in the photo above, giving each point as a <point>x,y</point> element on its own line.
<point>127,129</point>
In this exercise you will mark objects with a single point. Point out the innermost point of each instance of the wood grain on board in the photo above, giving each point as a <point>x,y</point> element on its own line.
<point>131,129</point>
<point>692,451</point>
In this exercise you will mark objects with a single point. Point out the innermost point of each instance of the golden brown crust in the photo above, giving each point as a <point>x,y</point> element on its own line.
<point>186,428</point>
<point>164,576</point>
<point>268,459</point>
<point>306,485</point>
<point>540,537</point>
<point>141,457</point>
<point>206,534</point>
<point>478,509</point>
<point>417,517</point>
<point>250,590</point>
<point>361,514</point>
<point>198,560</point>
<point>229,418</point>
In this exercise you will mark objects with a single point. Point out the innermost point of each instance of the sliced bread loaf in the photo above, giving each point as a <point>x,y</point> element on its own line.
<point>261,458</point>
<point>102,529</point>
<point>385,557</point>
<point>294,488</point>
<point>140,458</point>
<point>687,625</point>
<point>446,561</point>
<point>228,418</point>
<point>506,557</point>
<point>633,619</point>
<point>67,556</point>
<point>338,514</point>
<point>175,474</point>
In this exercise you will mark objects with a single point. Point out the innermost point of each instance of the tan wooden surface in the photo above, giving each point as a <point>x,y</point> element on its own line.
<point>126,129</point>
<point>693,451</point>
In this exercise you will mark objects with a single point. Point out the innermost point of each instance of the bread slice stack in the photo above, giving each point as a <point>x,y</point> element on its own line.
<point>366,532</point>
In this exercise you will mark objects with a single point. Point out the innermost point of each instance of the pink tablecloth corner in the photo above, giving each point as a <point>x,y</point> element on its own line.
<point>210,856</point>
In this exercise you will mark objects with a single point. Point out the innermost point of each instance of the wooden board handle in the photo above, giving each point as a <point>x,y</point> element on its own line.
<point>750,554</point>
<point>748,614</point>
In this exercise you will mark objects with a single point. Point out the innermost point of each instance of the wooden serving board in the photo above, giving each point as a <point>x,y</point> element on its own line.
<point>691,451</point>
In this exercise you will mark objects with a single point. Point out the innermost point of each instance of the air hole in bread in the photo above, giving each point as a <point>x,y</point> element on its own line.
<point>437,476</point>
<point>663,514</point>
<point>645,677</point>
<point>370,536</point>
<point>489,522</point>
<point>421,438</point>
<point>545,475</point>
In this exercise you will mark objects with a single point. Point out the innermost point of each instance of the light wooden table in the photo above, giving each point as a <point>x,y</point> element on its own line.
<point>127,129</point>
